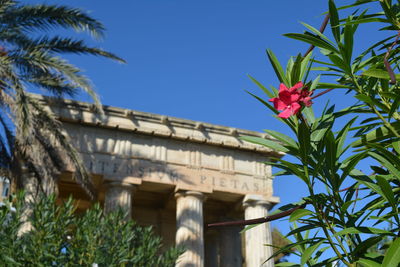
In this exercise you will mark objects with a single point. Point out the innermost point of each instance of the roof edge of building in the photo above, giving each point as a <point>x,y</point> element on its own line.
<point>154,124</point>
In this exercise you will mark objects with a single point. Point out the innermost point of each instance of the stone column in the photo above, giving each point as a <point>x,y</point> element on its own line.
<point>230,248</point>
<point>256,206</point>
<point>189,228</point>
<point>119,195</point>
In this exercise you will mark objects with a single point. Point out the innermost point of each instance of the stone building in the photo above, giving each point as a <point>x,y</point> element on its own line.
<point>176,175</point>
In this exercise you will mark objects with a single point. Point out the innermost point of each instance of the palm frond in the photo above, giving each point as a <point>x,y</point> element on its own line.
<point>47,122</point>
<point>9,136</point>
<point>68,45</point>
<point>36,140</point>
<point>36,18</point>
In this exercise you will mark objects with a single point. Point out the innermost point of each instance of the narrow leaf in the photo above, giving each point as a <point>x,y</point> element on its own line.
<point>300,213</point>
<point>277,67</point>
<point>392,257</point>
<point>265,142</point>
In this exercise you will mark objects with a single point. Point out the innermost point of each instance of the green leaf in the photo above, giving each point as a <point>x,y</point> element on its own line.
<point>290,246</point>
<point>11,261</point>
<point>350,163</point>
<point>392,257</point>
<point>287,264</point>
<point>248,227</point>
<point>386,161</point>
<point>334,20</point>
<point>289,68</point>
<point>349,40</point>
<point>323,125</point>
<point>347,204</point>
<point>365,20</point>
<point>317,32</point>
<point>295,169</point>
<point>304,140</point>
<point>365,180</point>
<point>331,85</point>
<point>362,230</point>
<point>287,207</point>
<point>264,102</point>
<point>368,263</point>
<point>395,106</point>
<point>396,146</point>
<point>287,122</point>
<point>339,62</point>
<point>365,99</point>
<point>305,67</point>
<point>357,3</point>
<point>313,40</point>
<point>277,67</point>
<point>301,229</point>
<point>296,70</point>
<point>309,251</point>
<point>265,142</point>
<point>309,113</point>
<point>262,87</point>
<point>282,137</point>
<point>377,135</point>
<point>315,83</point>
<point>342,137</point>
<point>362,247</point>
<point>378,73</point>
<point>331,151</point>
<point>300,213</point>
<point>386,190</point>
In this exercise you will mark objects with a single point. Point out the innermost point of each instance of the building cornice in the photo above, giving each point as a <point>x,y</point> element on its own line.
<point>155,124</point>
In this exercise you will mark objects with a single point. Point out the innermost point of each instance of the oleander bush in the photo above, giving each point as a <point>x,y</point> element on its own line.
<point>350,211</point>
<point>60,237</point>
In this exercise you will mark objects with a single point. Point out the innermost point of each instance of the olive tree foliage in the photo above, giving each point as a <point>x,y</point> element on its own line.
<point>60,237</point>
<point>355,211</point>
<point>34,39</point>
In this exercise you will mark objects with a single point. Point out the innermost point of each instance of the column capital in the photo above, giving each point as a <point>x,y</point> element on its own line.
<point>118,195</point>
<point>257,200</point>
<point>184,193</point>
<point>116,183</point>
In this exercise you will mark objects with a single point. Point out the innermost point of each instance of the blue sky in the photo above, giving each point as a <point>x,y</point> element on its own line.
<point>190,59</point>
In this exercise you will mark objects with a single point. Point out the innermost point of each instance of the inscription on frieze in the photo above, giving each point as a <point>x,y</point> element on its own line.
<point>113,167</point>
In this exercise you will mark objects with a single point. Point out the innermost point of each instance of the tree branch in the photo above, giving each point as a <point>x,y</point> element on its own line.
<point>258,220</point>
<point>321,30</point>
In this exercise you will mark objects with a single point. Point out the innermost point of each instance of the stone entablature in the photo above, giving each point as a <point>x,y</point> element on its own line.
<point>138,147</point>
<point>156,125</point>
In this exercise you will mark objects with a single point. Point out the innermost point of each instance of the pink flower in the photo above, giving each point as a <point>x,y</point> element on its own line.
<point>305,97</point>
<point>289,100</point>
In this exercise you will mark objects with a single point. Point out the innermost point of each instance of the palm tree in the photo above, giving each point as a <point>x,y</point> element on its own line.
<point>31,139</point>
<point>280,241</point>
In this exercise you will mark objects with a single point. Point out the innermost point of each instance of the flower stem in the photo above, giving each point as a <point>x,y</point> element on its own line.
<point>321,30</point>
<point>322,93</point>
<point>258,220</point>
<point>386,62</point>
